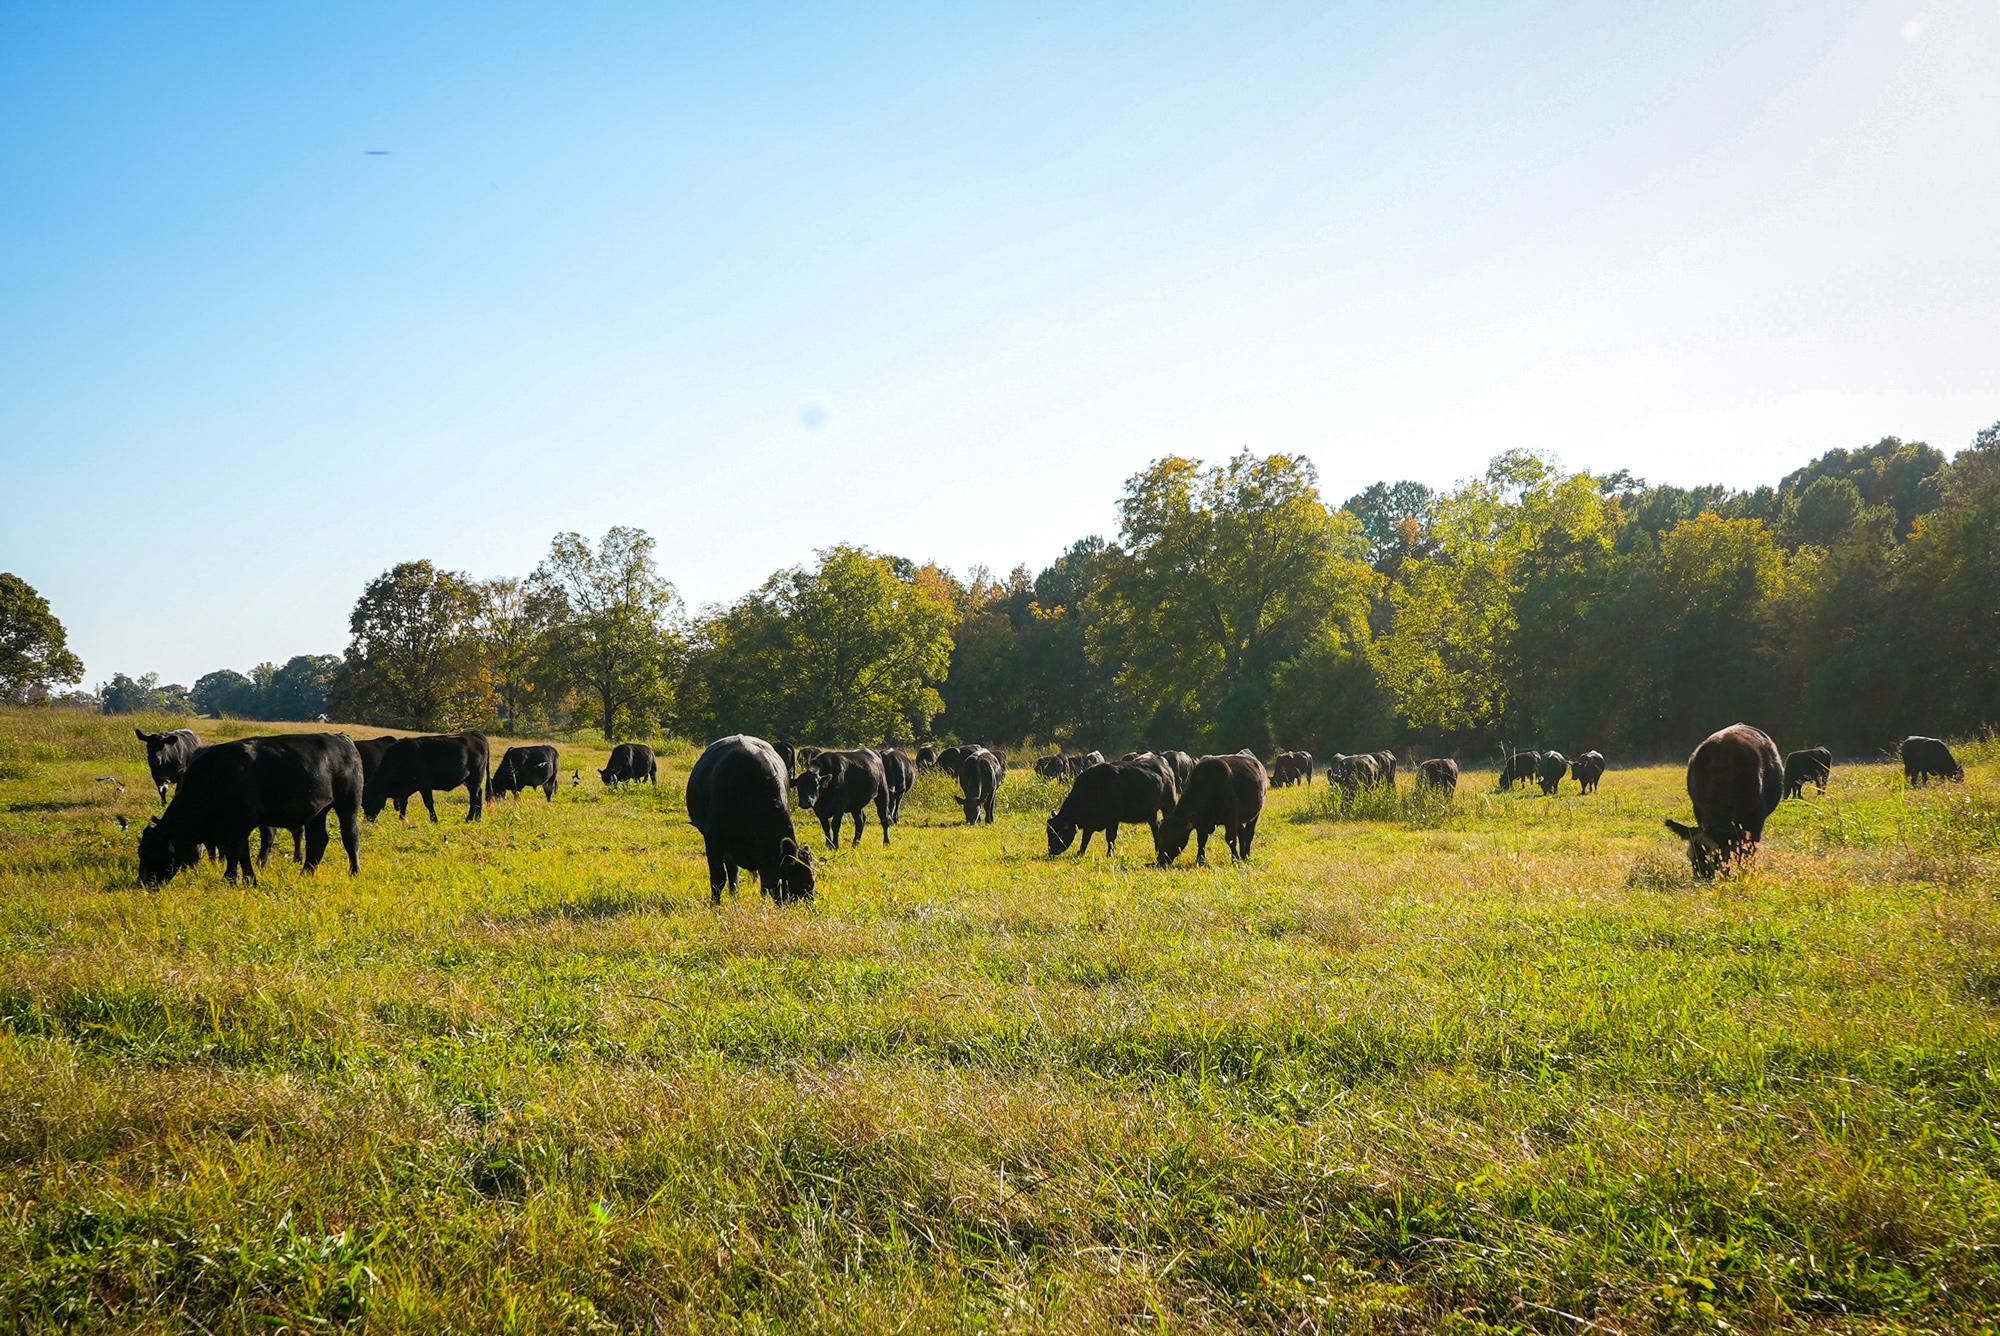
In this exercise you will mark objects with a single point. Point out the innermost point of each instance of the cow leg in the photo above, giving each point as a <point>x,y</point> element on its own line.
<point>882,814</point>
<point>1249,837</point>
<point>350,840</point>
<point>990,798</point>
<point>478,807</point>
<point>265,839</point>
<point>429,805</point>
<point>1084,847</point>
<point>717,876</point>
<point>315,839</point>
<point>163,795</point>
<point>1111,839</point>
<point>403,808</point>
<point>860,820</point>
<point>549,791</point>
<point>239,857</point>
<point>1201,846</point>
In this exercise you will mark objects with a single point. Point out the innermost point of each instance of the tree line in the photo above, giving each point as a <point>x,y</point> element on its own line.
<point>1855,600</point>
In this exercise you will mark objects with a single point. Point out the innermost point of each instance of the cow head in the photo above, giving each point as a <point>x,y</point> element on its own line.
<point>161,855</point>
<point>809,786</point>
<point>1705,854</point>
<point>792,878</point>
<point>1172,839</point>
<point>1062,833</point>
<point>605,775</point>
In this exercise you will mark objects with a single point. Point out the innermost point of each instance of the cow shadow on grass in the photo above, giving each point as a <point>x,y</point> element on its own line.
<point>587,909</point>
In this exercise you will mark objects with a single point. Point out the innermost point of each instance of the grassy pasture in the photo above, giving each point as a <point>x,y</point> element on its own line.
<point>1492,1065</point>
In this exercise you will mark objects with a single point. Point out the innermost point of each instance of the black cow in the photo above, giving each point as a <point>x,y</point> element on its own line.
<point>1439,773</point>
<point>843,783</point>
<point>899,772</point>
<point>1554,765</point>
<point>1588,769</point>
<point>1735,778</point>
<point>434,763</point>
<point>1110,793</point>
<point>630,763</point>
<point>1290,768</point>
<point>1813,766</point>
<point>1181,764</point>
<point>1226,791</point>
<point>736,799</point>
<point>1385,766</point>
<point>979,773</point>
<point>951,758</point>
<point>1522,766</point>
<point>233,788</point>
<point>1052,767</point>
<point>1354,773</point>
<point>927,757</point>
<point>521,768</point>
<point>167,756</point>
<point>372,751</point>
<point>1079,763</point>
<point>1925,759</point>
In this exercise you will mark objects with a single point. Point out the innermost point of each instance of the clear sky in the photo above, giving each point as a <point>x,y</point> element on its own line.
<point>932,278</point>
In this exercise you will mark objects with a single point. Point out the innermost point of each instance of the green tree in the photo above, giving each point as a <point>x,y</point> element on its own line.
<point>613,625</point>
<point>1222,574</point>
<point>513,625</point>
<point>34,648</point>
<point>1480,631</point>
<point>300,689</point>
<point>143,695</point>
<point>225,691</point>
<point>412,660</point>
<point>843,651</point>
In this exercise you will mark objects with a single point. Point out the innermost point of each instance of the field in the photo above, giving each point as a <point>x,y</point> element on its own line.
<point>1495,1065</point>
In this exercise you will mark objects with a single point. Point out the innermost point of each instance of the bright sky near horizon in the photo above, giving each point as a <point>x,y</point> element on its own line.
<point>936,279</point>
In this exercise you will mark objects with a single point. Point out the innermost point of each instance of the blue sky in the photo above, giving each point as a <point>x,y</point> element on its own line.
<point>936,279</point>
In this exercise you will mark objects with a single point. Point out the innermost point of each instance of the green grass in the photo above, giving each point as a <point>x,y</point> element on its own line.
<point>1494,1065</point>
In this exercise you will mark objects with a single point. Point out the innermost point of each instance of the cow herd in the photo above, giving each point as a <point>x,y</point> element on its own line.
<point>742,790</point>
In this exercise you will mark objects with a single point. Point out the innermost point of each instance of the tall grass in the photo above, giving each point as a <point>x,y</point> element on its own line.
<point>1491,1063</point>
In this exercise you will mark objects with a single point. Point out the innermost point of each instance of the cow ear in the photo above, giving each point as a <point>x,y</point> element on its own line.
<point>1685,832</point>
<point>142,735</point>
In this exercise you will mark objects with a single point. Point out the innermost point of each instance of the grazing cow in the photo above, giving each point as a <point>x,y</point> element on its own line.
<point>522,768</point>
<point>1080,763</point>
<point>736,799</point>
<point>1181,764</point>
<point>167,756</point>
<point>927,757</point>
<point>372,751</point>
<point>632,762</point>
<point>842,784</point>
<point>1520,766</point>
<point>1354,773</point>
<point>979,773</point>
<point>1735,778</point>
<point>1588,769</point>
<point>951,758</point>
<point>1385,767</point>
<point>1554,765</point>
<point>1439,773</point>
<point>1925,759</point>
<point>899,772</point>
<point>1813,766</point>
<point>1052,767</point>
<point>233,788</point>
<point>436,763</point>
<point>1290,768</point>
<point>1110,793</point>
<point>1226,791</point>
